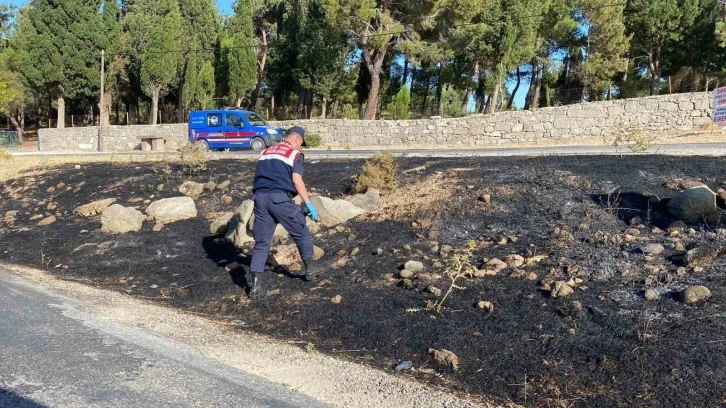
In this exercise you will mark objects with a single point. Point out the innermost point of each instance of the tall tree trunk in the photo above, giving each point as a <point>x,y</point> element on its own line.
<point>116,109</point>
<point>654,65</point>
<point>238,102</point>
<point>17,119</point>
<point>334,108</point>
<point>323,107</point>
<point>469,90</point>
<point>261,65</point>
<point>372,105</point>
<point>492,103</point>
<point>61,112</point>
<point>426,93</point>
<point>405,72</point>
<point>514,91</point>
<point>154,112</point>
<point>535,86</point>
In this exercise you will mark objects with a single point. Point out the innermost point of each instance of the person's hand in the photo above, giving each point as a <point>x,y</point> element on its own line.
<point>312,211</point>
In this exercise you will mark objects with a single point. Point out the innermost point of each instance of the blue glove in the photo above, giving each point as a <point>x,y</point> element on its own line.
<point>312,212</point>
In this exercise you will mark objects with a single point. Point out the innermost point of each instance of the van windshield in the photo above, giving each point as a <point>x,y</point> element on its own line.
<point>256,120</point>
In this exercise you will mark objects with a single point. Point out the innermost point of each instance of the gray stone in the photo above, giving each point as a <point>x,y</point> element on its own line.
<point>94,208</point>
<point>653,249</point>
<point>414,266</point>
<point>191,188</point>
<point>334,212</point>
<point>369,201</point>
<point>239,231</point>
<point>695,294</point>
<point>118,219</point>
<point>694,204</point>
<point>169,210</point>
<point>219,225</point>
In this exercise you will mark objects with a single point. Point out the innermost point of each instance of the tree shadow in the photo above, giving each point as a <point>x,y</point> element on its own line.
<point>630,204</point>
<point>9,399</point>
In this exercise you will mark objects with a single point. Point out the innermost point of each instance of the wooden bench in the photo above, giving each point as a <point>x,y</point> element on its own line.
<point>152,143</point>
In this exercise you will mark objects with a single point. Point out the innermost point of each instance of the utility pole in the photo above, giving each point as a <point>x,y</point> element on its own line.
<point>101,105</point>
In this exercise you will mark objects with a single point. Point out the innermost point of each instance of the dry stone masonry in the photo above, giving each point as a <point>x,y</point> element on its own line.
<point>658,113</point>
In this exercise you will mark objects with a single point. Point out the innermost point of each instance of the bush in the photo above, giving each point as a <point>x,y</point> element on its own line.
<point>4,155</point>
<point>399,108</point>
<point>313,140</point>
<point>349,112</point>
<point>452,100</point>
<point>379,172</point>
<point>193,158</point>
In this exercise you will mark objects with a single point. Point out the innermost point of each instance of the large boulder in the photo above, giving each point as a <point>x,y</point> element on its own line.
<point>694,204</point>
<point>369,201</point>
<point>191,188</point>
<point>239,231</point>
<point>334,212</point>
<point>219,225</point>
<point>170,210</point>
<point>241,226</point>
<point>95,207</point>
<point>118,219</point>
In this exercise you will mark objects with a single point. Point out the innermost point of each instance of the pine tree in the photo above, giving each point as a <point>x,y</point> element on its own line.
<point>61,49</point>
<point>238,53</point>
<point>154,28</point>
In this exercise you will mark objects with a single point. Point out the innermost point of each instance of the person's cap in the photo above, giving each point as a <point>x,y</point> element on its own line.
<point>299,130</point>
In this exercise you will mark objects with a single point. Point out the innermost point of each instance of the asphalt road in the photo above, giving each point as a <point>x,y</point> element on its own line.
<point>708,149</point>
<point>53,353</point>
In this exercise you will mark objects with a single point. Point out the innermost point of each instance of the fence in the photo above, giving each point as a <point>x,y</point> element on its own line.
<point>8,140</point>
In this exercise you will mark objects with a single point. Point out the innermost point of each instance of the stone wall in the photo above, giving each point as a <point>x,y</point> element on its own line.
<point>659,113</point>
<point>115,138</point>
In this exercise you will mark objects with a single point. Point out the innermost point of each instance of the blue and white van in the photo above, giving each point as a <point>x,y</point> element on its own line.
<point>232,128</point>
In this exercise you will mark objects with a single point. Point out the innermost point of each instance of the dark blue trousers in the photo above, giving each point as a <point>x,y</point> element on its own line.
<point>271,208</point>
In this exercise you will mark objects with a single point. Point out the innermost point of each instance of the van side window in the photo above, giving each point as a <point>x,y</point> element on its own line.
<point>214,120</point>
<point>234,121</point>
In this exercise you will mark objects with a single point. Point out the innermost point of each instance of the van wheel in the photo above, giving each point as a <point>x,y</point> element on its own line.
<point>203,144</point>
<point>257,144</point>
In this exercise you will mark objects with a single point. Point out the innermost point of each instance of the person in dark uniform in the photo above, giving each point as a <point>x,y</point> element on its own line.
<point>278,179</point>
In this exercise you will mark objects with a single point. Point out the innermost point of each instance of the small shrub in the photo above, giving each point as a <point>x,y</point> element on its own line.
<point>193,159</point>
<point>635,140</point>
<point>313,140</point>
<point>349,112</point>
<point>379,172</point>
<point>4,155</point>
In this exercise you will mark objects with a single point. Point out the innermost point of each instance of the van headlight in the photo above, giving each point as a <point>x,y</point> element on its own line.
<point>271,131</point>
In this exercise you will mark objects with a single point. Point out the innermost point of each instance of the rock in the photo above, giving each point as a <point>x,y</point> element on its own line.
<point>653,249</point>
<point>414,266</point>
<point>679,185</point>
<point>680,247</point>
<point>434,291</point>
<point>170,210</point>
<point>334,212</point>
<point>287,255</point>
<point>224,185</point>
<point>369,201</point>
<point>210,185</point>
<point>704,255</point>
<point>532,276</point>
<point>336,299</point>
<point>488,306</point>
<point>693,204</point>
<point>36,217</point>
<point>296,268</point>
<point>355,252</point>
<point>634,232</point>
<point>77,167</point>
<point>405,365</point>
<point>445,358</point>
<point>495,265</point>
<point>636,221</point>
<point>94,208</point>
<point>50,190</point>
<point>406,274</point>
<point>160,187</point>
<point>483,273</point>
<point>656,230</point>
<point>677,226</point>
<point>721,194</point>
<point>535,260</point>
<point>226,199</point>
<point>561,289</point>
<point>239,228</point>
<point>433,235</point>
<point>651,295</point>
<point>51,206</point>
<point>120,220</point>
<point>191,188</point>
<point>219,225</point>
<point>515,261</point>
<point>407,247</point>
<point>158,227</point>
<point>486,198</point>
<point>342,252</point>
<point>695,294</point>
<point>379,251</point>
<point>47,221</point>
<point>561,238</point>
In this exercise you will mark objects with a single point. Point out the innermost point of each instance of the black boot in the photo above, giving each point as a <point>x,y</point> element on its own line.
<point>312,270</point>
<point>255,286</point>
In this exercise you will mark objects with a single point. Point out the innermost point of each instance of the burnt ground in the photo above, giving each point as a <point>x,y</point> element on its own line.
<point>612,349</point>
